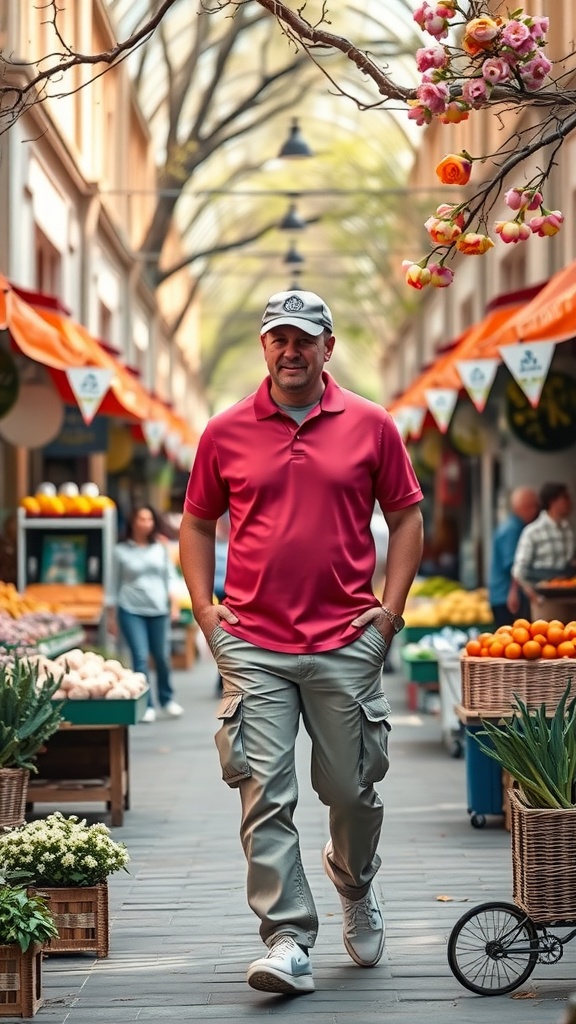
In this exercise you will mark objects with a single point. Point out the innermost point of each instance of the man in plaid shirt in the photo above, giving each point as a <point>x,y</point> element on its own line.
<point>546,546</point>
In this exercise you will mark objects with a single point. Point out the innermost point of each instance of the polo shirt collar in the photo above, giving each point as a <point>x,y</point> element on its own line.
<point>332,399</point>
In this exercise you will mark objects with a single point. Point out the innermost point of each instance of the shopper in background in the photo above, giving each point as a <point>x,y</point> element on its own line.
<point>141,605</point>
<point>546,547</point>
<point>507,599</point>
<point>301,635</point>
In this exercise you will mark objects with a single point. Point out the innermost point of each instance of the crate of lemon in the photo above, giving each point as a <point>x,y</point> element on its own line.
<point>533,660</point>
<point>457,608</point>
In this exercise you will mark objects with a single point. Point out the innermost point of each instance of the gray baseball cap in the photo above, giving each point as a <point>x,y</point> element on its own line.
<point>305,310</point>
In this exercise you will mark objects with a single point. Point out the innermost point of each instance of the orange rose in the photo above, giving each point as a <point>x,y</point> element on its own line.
<point>479,35</point>
<point>454,169</point>
<point>472,244</point>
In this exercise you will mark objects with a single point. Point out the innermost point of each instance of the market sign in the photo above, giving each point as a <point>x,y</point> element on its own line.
<point>551,426</point>
<point>77,437</point>
<point>9,382</point>
<point>89,385</point>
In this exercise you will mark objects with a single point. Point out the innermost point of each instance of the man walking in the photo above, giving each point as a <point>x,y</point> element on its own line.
<point>301,635</point>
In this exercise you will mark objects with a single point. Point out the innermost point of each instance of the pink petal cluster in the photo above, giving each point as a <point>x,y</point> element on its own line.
<point>416,276</point>
<point>476,92</point>
<point>442,232</point>
<point>440,276</point>
<point>434,18</point>
<point>535,72</point>
<point>523,199</point>
<point>434,56</point>
<point>512,230</point>
<point>496,70</point>
<point>548,224</point>
<point>433,96</point>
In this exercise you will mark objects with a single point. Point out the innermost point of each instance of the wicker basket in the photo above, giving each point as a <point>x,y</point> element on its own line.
<point>13,791</point>
<point>543,861</point>
<point>489,684</point>
<point>82,918</point>
<point>20,981</point>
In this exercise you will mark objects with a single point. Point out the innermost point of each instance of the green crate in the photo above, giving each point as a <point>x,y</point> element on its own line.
<point>127,711</point>
<point>425,671</point>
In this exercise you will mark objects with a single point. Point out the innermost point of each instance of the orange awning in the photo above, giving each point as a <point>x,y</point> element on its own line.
<point>550,316</point>
<point>34,336</point>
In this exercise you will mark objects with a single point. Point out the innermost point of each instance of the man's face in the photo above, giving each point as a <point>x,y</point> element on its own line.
<point>295,360</point>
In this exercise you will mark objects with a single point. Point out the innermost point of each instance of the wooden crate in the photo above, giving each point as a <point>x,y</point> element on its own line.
<point>82,918</point>
<point>489,684</point>
<point>20,981</point>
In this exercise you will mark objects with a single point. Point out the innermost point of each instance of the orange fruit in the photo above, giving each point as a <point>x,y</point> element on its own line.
<point>520,634</point>
<point>513,650</point>
<point>486,638</point>
<point>503,629</point>
<point>570,631</point>
<point>540,639</point>
<point>521,623</point>
<point>484,652</point>
<point>496,649</point>
<point>566,649</point>
<point>505,639</point>
<point>31,504</point>
<point>531,650</point>
<point>555,635</point>
<point>556,622</point>
<point>549,651</point>
<point>474,648</point>
<point>539,626</point>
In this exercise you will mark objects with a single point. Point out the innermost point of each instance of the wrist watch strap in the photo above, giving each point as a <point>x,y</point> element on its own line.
<point>396,620</point>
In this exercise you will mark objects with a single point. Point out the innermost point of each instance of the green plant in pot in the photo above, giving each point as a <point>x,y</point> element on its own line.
<point>28,717</point>
<point>24,918</point>
<point>538,750</point>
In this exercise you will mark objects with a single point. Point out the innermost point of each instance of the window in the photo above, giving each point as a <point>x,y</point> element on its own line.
<point>48,264</point>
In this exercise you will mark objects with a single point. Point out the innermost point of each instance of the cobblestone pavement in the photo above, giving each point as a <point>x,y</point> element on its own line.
<point>182,934</point>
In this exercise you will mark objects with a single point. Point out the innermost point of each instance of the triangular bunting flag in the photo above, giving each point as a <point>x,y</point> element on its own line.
<point>89,385</point>
<point>401,418</point>
<point>477,376</point>
<point>441,402</point>
<point>529,363</point>
<point>416,421</point>
<point>154,432</point>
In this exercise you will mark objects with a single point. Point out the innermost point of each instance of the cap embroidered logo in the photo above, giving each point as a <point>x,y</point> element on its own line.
<point>293,304</point>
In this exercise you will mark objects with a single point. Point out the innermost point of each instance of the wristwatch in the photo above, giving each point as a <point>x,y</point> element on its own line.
<point>396,620</point>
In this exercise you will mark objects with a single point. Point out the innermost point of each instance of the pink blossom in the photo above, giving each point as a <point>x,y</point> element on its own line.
<point>420,114</point>
<point>535,71</point>
<point>548,224</point>
<point>436,26</point>
<point>476,91</point>
<point>440,276</point>
<point>496,70</point>
<point>442,232</point>
<point>517,36</point>
<point>523,199</point>
<point>539,26</point>
<point>512,230</point>
<point>449,211</point>
<point>433,56</point>
<point>416,276</point>
<point>433,95</point>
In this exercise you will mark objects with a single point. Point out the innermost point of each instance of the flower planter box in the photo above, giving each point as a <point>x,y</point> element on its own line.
<point>489,684</point>
<point>543,863</point>
<point>20,981</point>
<point>82,918</point>
<point>13,790</point>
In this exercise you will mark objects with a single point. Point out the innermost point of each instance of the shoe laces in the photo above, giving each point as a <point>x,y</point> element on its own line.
<point>362,911</point>
<point>284,944</point>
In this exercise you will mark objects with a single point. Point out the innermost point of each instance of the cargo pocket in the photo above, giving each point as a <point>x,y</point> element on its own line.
<point>374,761</point>
<point>230,741</point>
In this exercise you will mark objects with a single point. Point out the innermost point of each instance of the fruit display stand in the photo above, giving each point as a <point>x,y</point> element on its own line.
<point>88,759</point>
<point>67,561</point>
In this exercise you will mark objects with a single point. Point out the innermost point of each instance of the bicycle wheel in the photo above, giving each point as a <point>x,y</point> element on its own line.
<point>493,949</point>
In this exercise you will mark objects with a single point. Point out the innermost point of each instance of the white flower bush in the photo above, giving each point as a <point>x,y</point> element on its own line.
<point>59,851</point>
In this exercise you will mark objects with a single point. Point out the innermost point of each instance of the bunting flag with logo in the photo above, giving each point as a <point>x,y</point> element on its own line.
<point>441,402</point>
<point>529,363</point>
<point>154,433</point>
<point>477,376</point>
<point>401,418</point>
<point>89,385</point>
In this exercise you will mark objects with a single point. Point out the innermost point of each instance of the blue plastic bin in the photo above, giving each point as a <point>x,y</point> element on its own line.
<point>483,781</point>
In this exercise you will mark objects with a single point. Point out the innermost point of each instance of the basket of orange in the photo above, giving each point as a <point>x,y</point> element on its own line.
<point>534,660</point>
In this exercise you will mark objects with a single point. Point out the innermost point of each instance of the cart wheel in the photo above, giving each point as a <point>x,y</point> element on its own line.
<point>477,820</point>
<point>455,749</point>
<point>493,949</point>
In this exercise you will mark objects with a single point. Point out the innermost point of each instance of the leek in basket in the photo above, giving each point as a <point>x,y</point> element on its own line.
<point>538,751</point>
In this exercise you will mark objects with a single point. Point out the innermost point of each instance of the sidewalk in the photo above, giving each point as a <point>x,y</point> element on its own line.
<point>182,934</point>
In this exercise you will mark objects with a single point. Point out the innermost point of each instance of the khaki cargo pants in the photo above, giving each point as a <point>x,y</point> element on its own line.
<point>340,698</point>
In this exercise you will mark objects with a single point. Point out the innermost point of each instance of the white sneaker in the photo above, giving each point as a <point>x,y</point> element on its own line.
<point>172,710</point>
<point>285,969</point>
<point>364,931</point>
<point>149,715</point>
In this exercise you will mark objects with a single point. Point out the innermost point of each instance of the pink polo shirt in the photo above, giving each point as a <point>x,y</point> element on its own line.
<point>301,554</point>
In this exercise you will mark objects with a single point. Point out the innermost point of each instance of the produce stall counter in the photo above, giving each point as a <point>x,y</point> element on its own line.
<point>88,759</point>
